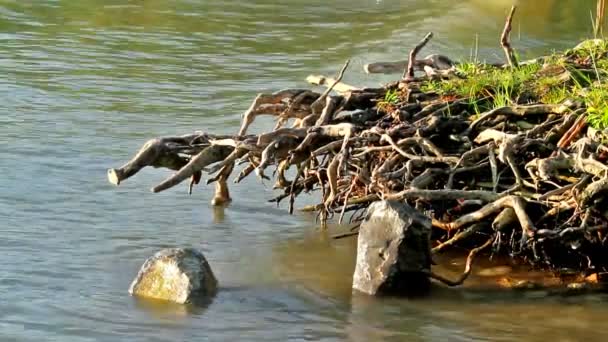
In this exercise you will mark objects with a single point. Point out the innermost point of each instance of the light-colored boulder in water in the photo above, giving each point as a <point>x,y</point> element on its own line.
<point>393,250</point>
<point>180,275</point>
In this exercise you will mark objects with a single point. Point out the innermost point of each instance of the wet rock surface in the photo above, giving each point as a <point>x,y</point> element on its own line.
<point>393,251</point>
<point>180,275</point>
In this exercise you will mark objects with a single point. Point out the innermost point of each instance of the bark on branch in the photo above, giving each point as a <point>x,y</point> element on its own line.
<point>408,73</point>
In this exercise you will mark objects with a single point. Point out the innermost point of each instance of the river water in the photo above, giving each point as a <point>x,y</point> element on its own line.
<point>84,83</point>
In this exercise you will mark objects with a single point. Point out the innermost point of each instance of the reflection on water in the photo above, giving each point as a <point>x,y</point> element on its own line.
<point>169,311</point>
<point>219,213</point>
<point>318,262</point>
<point>476,312</point>
<point>85,83</point>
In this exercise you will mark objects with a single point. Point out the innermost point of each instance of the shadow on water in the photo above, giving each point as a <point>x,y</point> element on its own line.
<point>479,310</point>
<point>325,266</point>
<point>219,213</point>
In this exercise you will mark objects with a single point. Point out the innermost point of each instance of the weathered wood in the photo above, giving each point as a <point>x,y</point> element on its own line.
<point>486,196</point>
<point>272,104</point>
<point>222,195</point>
<point>208,156</point>
<point>321,80</point>
<point>504,40</point>
<point>464,171</point>
<point>408,74</point>
<point>331,105</point>
<point>541,109</point>
<point>160,152</point>
<point>467,269</point>
<point>438,62</point>
<point>317,106</point>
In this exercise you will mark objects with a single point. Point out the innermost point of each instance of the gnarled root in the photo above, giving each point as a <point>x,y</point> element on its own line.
<point>467,269</point>
<point>276,104</point>
<point>208,156</point>
<point>160,152</point>
<point>517,203</point>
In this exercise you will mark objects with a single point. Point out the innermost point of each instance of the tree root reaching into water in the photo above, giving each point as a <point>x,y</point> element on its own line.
<point>524,173</point>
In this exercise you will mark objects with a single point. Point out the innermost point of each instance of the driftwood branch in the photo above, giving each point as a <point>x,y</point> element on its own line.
<point>320,102</point>
<point>208,156</point>
<point>160,152</point>
<point>435,61</point>
<point>504,40</point>
<point>338,86</point>
<point>408,73</point>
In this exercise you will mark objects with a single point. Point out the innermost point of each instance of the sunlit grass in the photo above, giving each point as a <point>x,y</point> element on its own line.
<point>596,101</point>
<point>390,100</point>
<point>502,85</point>
<point>576,75</point>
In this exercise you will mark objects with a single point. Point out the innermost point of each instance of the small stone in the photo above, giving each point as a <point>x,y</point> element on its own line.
<point>179,275</point>
<point>393,251</point>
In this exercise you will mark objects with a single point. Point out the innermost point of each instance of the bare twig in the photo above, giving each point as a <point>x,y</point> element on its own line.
<point>467,269</point>
<point>320,102</point>
<point>504,40</point>
<point>408,74</point>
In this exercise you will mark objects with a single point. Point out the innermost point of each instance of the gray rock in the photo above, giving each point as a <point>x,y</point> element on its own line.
<point>393,251</point>
<point>180,275</point>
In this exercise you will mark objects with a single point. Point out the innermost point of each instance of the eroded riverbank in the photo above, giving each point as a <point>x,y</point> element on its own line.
<point>98,78</point>
<point>512,154</point>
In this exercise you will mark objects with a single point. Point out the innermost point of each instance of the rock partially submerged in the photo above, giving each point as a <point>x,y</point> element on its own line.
<point>180,275</point>
<point>393,252</point>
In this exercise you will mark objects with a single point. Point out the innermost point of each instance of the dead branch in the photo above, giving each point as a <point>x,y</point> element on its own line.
<point>274,104</point>
<point>435,61</point>
<point>318,105</point>
<point>467,269</point>
<point>504,40</point>
<point>338,86</point>
<point>408,74</point>
<point>515,202</point>
<point>208,156</point>
<point>520,111</point>
<point>442,195</point>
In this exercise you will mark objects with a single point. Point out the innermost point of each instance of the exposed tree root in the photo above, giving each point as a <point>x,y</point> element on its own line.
<point>531,175</point>
<point>208,156</point>
<point>467,269</point>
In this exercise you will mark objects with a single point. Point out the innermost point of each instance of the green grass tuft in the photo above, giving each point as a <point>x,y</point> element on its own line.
<point>504,86</point>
